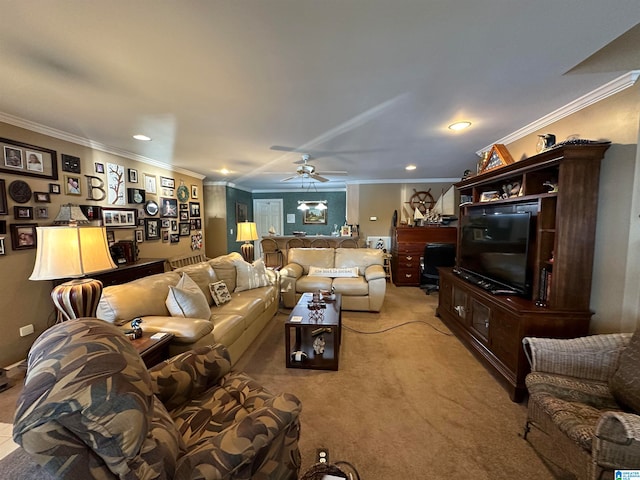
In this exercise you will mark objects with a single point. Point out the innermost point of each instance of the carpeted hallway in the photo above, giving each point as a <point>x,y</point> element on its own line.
<point>409,403</point>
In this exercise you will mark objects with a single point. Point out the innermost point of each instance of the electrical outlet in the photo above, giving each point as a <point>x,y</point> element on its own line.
<point>322,455</point>
<point>26,330</point>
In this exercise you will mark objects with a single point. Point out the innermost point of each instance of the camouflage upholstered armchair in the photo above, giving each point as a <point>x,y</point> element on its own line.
<point>90,409</point>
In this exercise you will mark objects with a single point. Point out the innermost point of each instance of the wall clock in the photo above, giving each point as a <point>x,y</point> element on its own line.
<point>151,208</point>
<point>497,157</point>
<point>20,191</point>
<point>182,194</point>
<point>70,163</point>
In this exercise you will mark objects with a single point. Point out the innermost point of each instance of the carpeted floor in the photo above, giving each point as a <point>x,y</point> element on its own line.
<point>409,403</point>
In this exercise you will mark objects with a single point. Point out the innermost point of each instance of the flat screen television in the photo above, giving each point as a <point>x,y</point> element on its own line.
<point>495,247</point>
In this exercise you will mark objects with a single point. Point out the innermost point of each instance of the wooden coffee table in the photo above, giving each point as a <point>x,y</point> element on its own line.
<point>152,350</point>
<point>299,335</point>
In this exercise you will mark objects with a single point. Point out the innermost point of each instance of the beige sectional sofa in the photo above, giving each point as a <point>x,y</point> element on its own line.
<point>254,294</point>
<point>313,269</point>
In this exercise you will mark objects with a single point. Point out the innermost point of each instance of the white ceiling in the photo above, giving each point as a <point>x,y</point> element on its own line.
<point>364,86</point>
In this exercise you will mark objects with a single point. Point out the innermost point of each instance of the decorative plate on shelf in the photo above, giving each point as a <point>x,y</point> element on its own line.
<point>182,194</point>
<point>151,208</point>
<point>20,191</point>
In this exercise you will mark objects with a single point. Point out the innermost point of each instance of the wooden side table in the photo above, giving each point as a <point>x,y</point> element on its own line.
<point>152,350</point>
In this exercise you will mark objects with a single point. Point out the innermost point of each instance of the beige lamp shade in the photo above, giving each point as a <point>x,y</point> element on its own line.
<point>70,252</point>
<point>247,232</point>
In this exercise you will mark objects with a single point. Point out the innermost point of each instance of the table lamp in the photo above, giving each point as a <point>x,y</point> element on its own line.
<point>72,252</point>
<point>247,233</point>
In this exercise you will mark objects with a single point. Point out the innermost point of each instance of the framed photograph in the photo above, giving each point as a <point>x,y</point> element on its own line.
<point>54,188</point>
<point>174,225</point>
<point>23,213</point>
<point>196,224</point>
<point>152,229</point>
<point>165,236</point>
<point>316,214</point>
<point>24,159</point>
<point>23,236</point>
<point>119,217</point>
<point>71,185</point>
<point>42,197</point>
<point>70,163</point>
<point>175,238</point>
<point>136,196</point>
<point>92,212</point>
<point>133,175</point>
<point>99,167</point>
<point>42,212</point>
<point>184,216</point>
<point>185,229</point>
<point>166,223</point>
<point>115,184</point>
<point>2,250</point>
<point>194,210</point>
<point>169,207</point>
<point>345,231</point>
<point>194,192</point>
<point>167,192</point>
<point>167,182</point>
<point>150,184</point>
<point>242,212</point>
<point>4,210</point>
<point>184,206</point>
<point>111,237</point>
<point>139,236</point>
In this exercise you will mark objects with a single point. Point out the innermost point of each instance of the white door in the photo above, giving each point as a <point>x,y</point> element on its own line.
<point>267,212</point>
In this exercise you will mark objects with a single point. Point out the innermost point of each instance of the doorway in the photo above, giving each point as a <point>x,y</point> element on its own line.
<point>267,212</point>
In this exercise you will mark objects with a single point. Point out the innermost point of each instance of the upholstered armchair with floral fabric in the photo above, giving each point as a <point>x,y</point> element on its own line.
<point>584,402</point>
<point>90,409</point>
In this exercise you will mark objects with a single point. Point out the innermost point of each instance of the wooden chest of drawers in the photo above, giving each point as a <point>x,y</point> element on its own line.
<point>408,246</point>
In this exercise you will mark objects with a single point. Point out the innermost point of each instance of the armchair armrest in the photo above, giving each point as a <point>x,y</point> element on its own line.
<point>242,443</point>
<point>292,270</point>
<point>617,441</point>
<point>594,357</point>
<point>374,271</point>
<point>188,374</point>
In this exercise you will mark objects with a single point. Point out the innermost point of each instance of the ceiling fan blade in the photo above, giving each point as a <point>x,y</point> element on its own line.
<point>320,178</point>
<point>289,178</point>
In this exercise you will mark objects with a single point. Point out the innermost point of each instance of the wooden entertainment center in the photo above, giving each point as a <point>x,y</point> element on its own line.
<point>559,187</point>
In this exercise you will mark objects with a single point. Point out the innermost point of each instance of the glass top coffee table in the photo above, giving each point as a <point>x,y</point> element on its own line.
<point>306,327</point>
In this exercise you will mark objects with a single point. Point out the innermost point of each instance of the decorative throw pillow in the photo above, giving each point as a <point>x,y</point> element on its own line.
<point>187,300</point>
<point>625,383</point>
<point>347,272</point>
<point>219,292</point>
<point>250,275</point>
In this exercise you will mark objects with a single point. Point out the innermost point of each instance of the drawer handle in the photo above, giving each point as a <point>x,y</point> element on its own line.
<point>408,264</point>
<point>409,257</point>
<point>408,275</point>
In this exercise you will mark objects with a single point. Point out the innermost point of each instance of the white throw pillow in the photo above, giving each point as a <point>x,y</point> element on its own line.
<point>187,300</point>
<point>250,275</point>
<point>219,292</point>
<point>350,272</point>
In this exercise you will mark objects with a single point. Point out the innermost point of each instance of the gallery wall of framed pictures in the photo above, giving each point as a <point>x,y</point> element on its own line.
<point>114,192</point>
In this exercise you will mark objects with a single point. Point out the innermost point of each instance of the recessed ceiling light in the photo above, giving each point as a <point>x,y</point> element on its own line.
<point>410,167</point>
<point>224,171</point>
<point>142,138</point>
<point>459,125</point>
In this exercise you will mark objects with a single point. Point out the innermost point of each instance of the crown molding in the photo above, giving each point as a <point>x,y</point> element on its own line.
<point>68,137</point>
<point>608,89</point>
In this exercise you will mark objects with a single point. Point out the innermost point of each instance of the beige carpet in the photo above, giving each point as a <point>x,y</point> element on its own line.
<point>410,403</point>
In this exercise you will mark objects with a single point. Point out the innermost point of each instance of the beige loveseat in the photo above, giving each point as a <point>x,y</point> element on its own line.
<point>313,269</point>
<point>254,301</point>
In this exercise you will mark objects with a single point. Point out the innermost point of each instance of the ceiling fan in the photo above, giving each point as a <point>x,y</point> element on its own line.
<point>306,170</point>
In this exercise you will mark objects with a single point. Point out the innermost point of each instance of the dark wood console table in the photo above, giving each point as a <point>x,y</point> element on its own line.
<point>127,272</point>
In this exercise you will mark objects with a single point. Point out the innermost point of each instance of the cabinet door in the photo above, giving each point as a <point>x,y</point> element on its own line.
<point>459,307</point>
<point>505,338</point>
<point>480,319</point>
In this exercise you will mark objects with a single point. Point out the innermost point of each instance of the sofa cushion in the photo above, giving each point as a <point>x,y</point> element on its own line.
<point>203,274</point>
<point>625,383</point>
<point>308,283</point>
<point>219,292</point>
<point>145,296</point>
<point>358,257</point>
<point>250,275</point>
<point>351,286</point>
<point>225,268</point>
<point>333,272</point>
<point>318,257</point>
<point>187,300</point>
